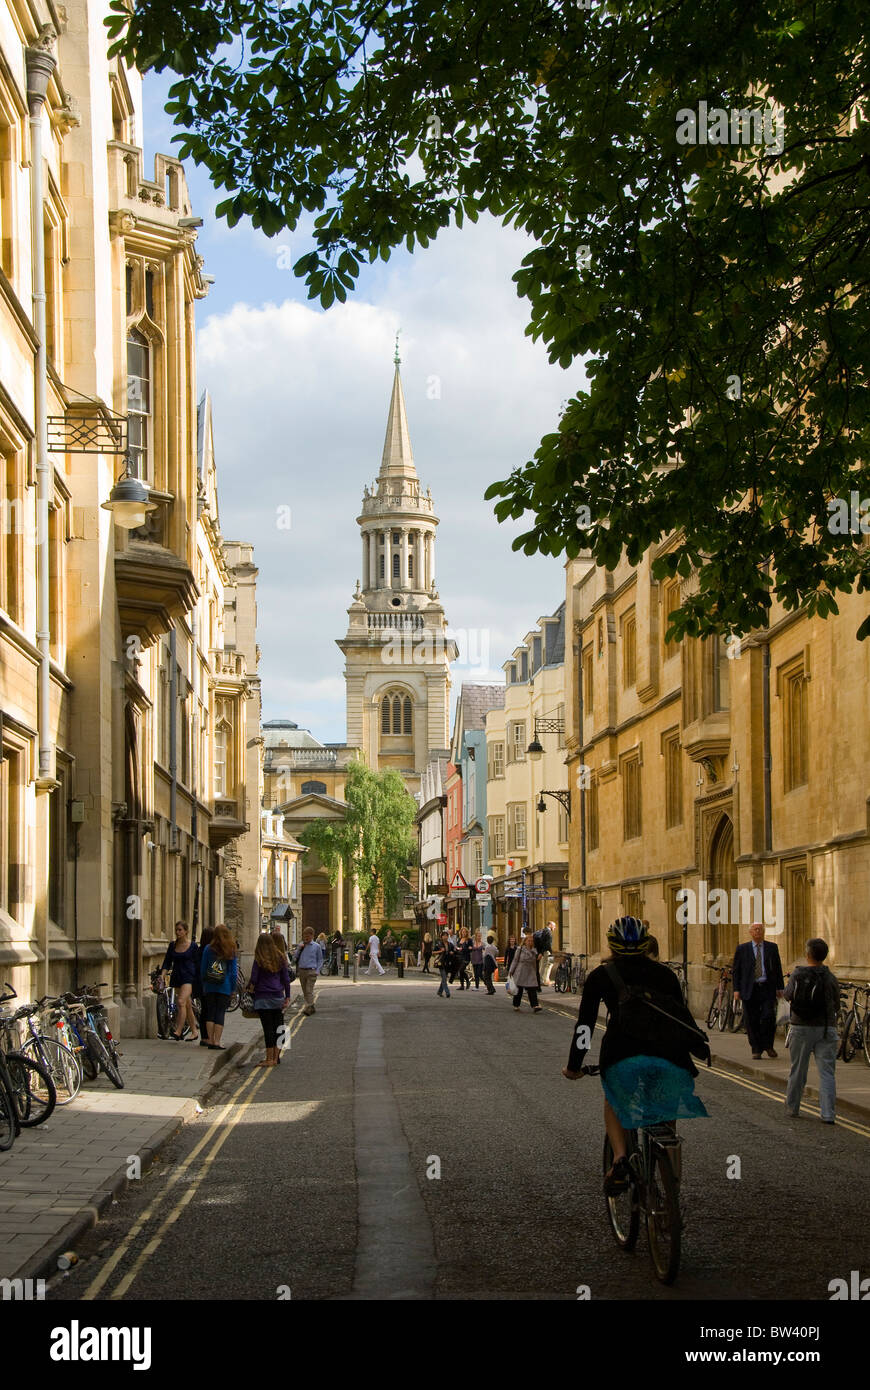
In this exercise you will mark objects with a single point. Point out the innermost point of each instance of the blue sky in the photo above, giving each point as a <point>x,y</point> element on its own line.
<point>300,407</point>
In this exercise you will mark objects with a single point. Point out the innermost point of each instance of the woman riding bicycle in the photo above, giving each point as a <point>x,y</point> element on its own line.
<point>646,1080</point>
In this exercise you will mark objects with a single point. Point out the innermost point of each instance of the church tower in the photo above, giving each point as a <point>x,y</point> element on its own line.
<point>397,654</point>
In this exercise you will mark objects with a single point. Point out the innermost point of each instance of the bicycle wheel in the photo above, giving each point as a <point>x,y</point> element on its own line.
<point>61,1064</point>
<point>736,1015</point>
<point>33,1089</point>
<point>623,1212</point>
<point>842,1028</point>
<point>851,1037</point>
<point>162,1016</point>
<point>235,1000</point>
<point>724,1021</point>
<point>865,1035</point>
<point>559,979</point>
<point>101,1058</point>
<point>713,1011</point>
<point>663,1222</point>
<point>8,1126</point>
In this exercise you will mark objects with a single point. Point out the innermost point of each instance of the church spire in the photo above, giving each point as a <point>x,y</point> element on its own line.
<point>398,457</point>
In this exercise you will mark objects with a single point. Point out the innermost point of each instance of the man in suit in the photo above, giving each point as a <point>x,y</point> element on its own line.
<point>756,977</point>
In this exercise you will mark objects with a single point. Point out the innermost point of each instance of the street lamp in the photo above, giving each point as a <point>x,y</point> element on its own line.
<point>129,500</point>
<point>563,798</point>
<point>544,725</point>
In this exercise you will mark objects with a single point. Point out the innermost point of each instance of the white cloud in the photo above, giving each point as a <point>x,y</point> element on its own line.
<point>300,404</point>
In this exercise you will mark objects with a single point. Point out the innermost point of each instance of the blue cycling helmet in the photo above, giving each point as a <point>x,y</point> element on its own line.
<point>627,935</point>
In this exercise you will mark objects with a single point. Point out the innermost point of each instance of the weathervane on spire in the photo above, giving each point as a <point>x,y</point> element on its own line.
<point>397,359</point>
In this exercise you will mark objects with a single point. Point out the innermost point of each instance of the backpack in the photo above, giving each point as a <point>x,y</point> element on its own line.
<point>217,971</point>
<point>810,994</point>
<point>649,1015</point>
<point>543,940</point>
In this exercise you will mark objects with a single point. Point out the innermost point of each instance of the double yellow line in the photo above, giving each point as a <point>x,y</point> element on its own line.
<point>231,1112</point>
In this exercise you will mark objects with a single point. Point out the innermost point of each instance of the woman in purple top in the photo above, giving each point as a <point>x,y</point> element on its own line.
<point>270,986</point>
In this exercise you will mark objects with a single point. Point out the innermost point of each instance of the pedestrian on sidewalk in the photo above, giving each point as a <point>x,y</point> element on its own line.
<point>477,958</point>
<point>510,951</point>
<point>374,954</point>
<point>490,963</point>
<point>814,994</point>
<point>308,960</point>
<point>182,959</point>
<point>270,986</point>
<point>524,972</point>
<point>426,953</point>
<point>445,962</point>
<point>219,971</point>
<point>205,937</point>
<point>756,976</point>
<point>463,950</point>
<point>543,940</point>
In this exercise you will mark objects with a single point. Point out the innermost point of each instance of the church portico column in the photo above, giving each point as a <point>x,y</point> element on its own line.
<point>387,559</point>
<point>372,541</point>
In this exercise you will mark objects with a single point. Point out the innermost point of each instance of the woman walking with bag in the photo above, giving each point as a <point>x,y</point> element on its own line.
<point>220,973</point>
<point>182,958</point>
<point>445,962</point>
<point>477,958</point>
<point>524,972</point>
<point>270,987</point>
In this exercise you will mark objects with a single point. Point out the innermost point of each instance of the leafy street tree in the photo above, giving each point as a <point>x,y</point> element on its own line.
<point>376,840</point>
<point>695,179</point>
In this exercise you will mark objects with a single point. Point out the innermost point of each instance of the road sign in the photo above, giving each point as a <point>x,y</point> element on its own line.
<point>483,885</point>
<point>457,882</point>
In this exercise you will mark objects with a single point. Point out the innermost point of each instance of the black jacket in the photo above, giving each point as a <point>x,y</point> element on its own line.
<point>825,1017</point>
<point>616,1045</point>
<point>743,970</point>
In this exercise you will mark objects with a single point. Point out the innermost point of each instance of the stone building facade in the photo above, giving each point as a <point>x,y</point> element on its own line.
<point>117,688</point>
<point>522,839</point>
<point>716,770</point>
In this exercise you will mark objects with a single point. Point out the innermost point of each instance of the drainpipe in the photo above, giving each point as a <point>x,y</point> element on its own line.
<point>194,770</point>
<point>41,63</point>
<point>765,716</point>
<point>173,742</point>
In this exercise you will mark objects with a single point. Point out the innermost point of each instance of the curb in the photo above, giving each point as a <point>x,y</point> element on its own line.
<point>44,1262</point>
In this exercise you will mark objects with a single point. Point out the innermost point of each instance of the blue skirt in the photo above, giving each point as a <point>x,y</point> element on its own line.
<point>650,1090</point>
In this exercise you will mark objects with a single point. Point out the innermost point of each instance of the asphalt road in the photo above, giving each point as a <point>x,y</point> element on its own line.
<point>412,1147</point>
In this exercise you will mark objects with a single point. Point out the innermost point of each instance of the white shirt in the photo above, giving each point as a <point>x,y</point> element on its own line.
<point>374,945</point>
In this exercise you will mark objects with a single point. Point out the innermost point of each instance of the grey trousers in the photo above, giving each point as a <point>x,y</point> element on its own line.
<point>805,1042</point>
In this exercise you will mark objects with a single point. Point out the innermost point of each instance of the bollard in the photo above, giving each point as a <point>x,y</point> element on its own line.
<point>346,964</point>
<point>356,956</point>
<point>400,965</point>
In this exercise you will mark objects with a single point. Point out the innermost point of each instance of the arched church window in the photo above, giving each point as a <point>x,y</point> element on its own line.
<point>310,787</point>
<point>406,716</point>
<point>395,567</point>
<point>382,568</point>
<point>410,564</point>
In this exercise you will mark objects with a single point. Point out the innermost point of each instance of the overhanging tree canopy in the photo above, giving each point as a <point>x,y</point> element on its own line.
<point>717,290</point>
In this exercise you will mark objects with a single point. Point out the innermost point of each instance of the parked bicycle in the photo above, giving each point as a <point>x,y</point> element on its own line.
<point>679,971</point>
<point>570,973</point>
<point>28,1087</point>
<point>167,1006</point>
<point>722,1004</point>
<point>59,1060</point>
<point>655,1170</point>
<point>855,1035</point>
<point>87,1017</point>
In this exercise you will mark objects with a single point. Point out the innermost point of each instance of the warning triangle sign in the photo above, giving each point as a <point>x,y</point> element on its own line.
<point>457,881</point>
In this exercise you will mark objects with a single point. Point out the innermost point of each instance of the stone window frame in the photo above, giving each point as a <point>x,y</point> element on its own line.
<point>673,779</point>
<point>628,635</point>
<point>792,678</point>
<point>632,807</point>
